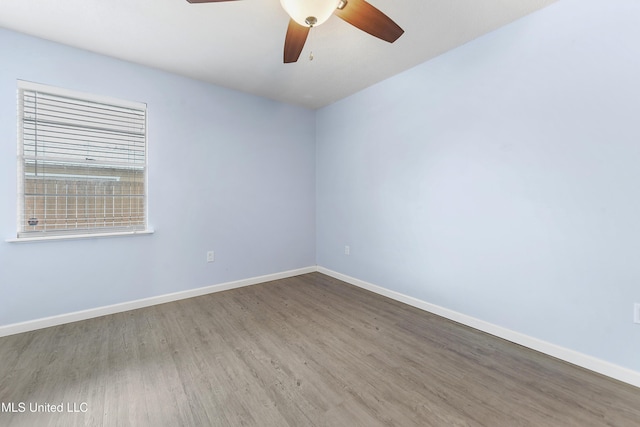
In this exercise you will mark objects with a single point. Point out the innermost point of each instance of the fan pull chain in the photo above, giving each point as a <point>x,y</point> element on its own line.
<point>310,37</point>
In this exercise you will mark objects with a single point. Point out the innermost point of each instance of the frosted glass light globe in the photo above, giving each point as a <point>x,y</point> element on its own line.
<point>303,11</point>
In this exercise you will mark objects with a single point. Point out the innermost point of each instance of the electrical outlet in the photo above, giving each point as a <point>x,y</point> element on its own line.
<point>636,313</point>
<point>347,250</point>
<point>210,256</point>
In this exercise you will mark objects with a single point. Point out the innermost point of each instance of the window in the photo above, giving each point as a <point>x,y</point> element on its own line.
<point>82,163</point>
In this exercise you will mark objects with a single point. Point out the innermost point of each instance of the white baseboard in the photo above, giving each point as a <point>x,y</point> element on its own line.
<point>46,322</point>
<point>585,361</point>
<point>574,357</point>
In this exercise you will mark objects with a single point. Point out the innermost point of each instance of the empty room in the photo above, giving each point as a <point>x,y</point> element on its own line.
<point>320,213</point>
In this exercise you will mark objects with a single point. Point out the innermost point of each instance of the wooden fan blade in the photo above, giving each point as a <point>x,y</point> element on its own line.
<point>207,1</point>
<point>364,16</point>
<point>294,41</point>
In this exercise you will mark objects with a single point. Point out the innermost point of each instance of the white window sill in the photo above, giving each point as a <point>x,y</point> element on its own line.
<point>78,236</point>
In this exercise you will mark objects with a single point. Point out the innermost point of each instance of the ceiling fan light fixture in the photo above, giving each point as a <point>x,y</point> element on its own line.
<point>309,13</point>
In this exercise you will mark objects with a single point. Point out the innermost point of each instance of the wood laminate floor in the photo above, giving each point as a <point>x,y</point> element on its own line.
<point>304,351</point>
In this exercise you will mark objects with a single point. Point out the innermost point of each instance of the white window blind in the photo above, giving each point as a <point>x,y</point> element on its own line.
<point>81,161</point>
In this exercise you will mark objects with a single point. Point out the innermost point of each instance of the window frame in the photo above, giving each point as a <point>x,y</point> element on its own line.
<point>23,235</point>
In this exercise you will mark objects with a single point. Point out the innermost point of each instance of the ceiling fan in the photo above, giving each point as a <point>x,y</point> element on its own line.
<point>306,14</point>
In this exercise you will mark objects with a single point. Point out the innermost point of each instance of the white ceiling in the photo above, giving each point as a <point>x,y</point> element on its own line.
<point>239,44</point>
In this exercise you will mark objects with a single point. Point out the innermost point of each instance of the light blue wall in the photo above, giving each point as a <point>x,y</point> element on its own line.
<point>228,171</point>
<point>501,180</point>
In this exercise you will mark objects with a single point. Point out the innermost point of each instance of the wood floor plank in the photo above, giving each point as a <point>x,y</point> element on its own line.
<point>304,351</point>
